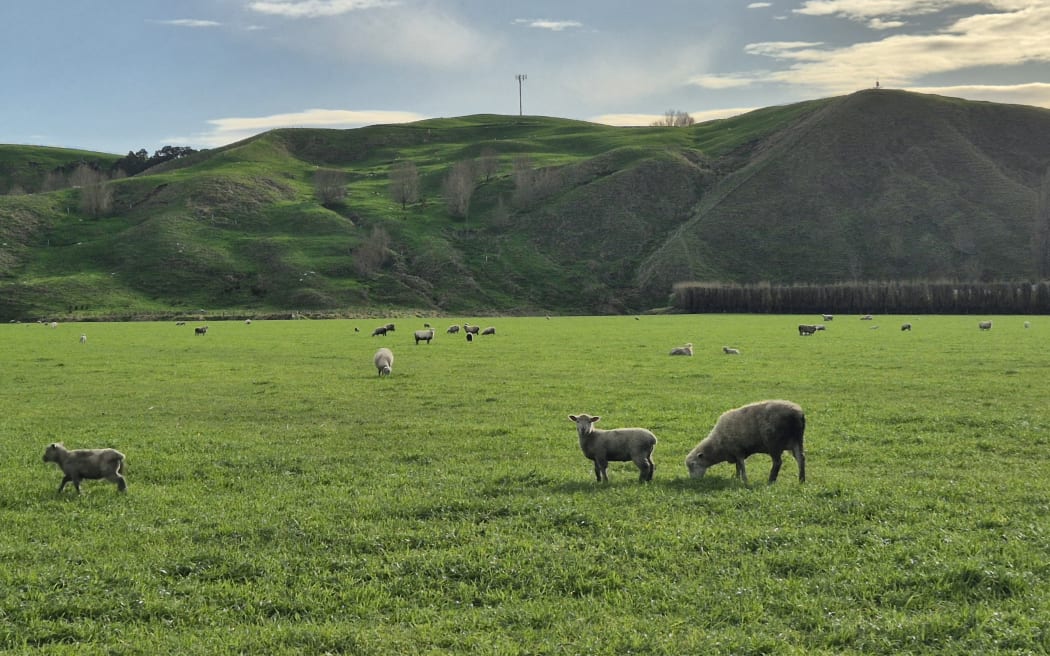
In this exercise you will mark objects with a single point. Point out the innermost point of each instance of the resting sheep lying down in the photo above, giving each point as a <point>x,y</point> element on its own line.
<point>87,464</point>
<point>616,445</point>
<point>763,427</point>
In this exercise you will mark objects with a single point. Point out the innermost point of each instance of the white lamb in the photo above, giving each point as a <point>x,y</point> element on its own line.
<point>616,445</point>
<point>764,427</point>
<point>384,361</point>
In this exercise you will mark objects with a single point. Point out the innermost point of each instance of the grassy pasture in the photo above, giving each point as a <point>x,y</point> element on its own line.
<point>284,499</point>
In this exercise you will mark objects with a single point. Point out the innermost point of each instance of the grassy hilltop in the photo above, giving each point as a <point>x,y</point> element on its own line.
<point>573,217</point>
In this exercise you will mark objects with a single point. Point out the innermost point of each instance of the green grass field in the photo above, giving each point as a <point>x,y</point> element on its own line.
<point>284,499</point>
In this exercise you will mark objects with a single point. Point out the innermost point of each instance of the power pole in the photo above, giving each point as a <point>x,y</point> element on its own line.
<point>521,77</point>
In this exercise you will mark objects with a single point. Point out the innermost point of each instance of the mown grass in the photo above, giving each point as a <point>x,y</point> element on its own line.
<point>284,499</point>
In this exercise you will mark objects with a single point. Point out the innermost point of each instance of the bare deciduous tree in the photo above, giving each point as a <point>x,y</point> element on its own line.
<point>96,196</point>
<point>404,183</point>
<point>371,254</point>
<point>532,184</point>
<point>1041,243</point>
<point>330,186</point>
<point>488,163</point>
<point>458,188</point>
<point>674,118</point>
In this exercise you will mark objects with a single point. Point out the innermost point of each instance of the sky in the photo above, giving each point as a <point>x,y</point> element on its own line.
<point>120,75</point>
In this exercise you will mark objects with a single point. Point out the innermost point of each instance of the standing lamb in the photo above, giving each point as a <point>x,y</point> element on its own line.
<point>728,350</point>
<point>382,330</point>
<point>806,329</point>
<point>453,329</point>
<point>87,464</point>
<point>200,330</point>
<point>985,325</point>
<point>683,350</point>
<point>763,427</point>
<point>474,330</point>
<point>424,335</point>
<point>384,361</point>
<point>83,339</point>
<point>616,445</point>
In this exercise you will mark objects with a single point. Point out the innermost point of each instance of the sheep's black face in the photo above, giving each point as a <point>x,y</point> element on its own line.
<point>50,454</point>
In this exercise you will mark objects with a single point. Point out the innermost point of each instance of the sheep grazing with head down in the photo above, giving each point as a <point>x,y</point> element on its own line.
<point>384,361</point>
<point>984,325</point>
<point>729,350</point>
<point>453,329</point>
<point>424,335</point>
<point>491,330</point>
<point>87,464</point>
<point>616,445</point>
<point>683,350</point>
<point>764,427</point>
<point>806,329</point>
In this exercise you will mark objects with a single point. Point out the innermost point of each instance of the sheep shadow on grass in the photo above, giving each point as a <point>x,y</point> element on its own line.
<point>680,483</point>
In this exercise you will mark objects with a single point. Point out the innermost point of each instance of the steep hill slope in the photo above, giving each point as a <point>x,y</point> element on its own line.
<point>563,216</point>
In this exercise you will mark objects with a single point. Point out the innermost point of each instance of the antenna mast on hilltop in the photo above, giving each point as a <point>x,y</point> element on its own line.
<point>520,77</point>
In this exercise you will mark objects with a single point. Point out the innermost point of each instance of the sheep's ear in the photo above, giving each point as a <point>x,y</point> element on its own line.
<point>594,420</point>
<point>572,417</point>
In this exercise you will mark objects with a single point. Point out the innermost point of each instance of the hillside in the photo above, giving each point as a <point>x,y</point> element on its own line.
<point>569,217</point>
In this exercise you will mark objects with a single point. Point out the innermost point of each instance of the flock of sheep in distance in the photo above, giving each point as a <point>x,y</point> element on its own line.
<point>770,427</point>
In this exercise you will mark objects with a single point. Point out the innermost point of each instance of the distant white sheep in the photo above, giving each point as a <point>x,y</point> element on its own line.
<point>728,350</point>
<point>1027,324</point>
<point>247,322</point>
<point>83,338</point>
<point>763,427</point>
<point>87,464</point>
<point>828,317</point>
<point>985,325</point>
<point>867,317</point>
<point>384,361</point>
<point>424,335</point>
<point>683,350</point>
<point>616,445</point>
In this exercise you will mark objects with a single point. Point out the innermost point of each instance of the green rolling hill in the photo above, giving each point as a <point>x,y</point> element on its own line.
<point>561,216</point>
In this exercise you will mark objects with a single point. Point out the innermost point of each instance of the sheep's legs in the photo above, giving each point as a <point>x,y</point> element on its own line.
<point>778,460</point>
<point>65,479</point>
<point>122,485</point>
<point>800,458</point>
<point>599,470</point>
<point>646,469</point>
<point>741,472</point>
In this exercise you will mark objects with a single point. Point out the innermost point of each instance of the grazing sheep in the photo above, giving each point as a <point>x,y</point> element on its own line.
<point>728,350</point>
<point>389,327</point>
<point>491,330</point>
<point>985,325</point>
<point>763,427</point>
<point>616,445</point>
<point>247,322</point>
<point>200,330</point>
<point>83,339</point>
<point>382,330</point>
<point>180,323</point>
<point>426,325</point>
<point>828,317</point>
<point>806,329</point>
<point>820,326</point>
<point>53,324</point>
<point>470,337</point>
<point>905,327</point>
<point>424,335</point>
<point>356,329</point>
<point>87,464</point>
<point>453,329</point>
<point>683,350</point>
<point>1027,324</point>
<point>471,329</point>
<point>384,361</point>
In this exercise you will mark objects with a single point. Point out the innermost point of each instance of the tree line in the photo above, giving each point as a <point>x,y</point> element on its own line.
<point>865,298</point>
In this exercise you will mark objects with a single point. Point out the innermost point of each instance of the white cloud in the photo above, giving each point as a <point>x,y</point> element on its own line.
<point>187,22</point>
<point>759,5</point>
<point>863,10</point>
<point>315,8</point>
<point>552,25</point>
<point>879,24</point>
<point>1003,39</point>
<point>228,130</point>
<point>722,81</point>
